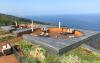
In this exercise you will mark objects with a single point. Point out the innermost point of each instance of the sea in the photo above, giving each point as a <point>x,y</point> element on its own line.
<point>84,21</point>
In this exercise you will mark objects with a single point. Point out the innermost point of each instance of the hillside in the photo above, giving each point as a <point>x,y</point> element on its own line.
<point>9,19</point>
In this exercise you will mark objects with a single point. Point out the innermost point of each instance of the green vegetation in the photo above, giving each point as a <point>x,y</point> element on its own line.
<point>26,50</point>
<point>4,36</point>
<point>71,59</point>
<point>9,20</point>
<point>86,56</point>
<point>78,55</point>
<point>2,32</point>
<point>2,39</point>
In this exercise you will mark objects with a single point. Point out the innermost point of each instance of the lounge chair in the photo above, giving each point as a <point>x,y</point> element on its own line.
<point>46,35</point>
<point>42,34</point>
<point>70,31</point>
<point>6,49</point>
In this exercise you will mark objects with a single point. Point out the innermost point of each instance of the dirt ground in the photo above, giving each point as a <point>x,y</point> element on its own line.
<point>8,59</point>
<point>53,34</point>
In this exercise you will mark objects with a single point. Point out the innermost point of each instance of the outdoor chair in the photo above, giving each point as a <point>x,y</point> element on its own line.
<point>42,34</point>
<point>6,49</point>
<point>46,35</point>
<point>70,31</point>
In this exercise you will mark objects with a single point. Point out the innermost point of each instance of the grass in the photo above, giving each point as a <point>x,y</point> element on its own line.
<point>2,32</point>
<point>2,39</point>
<point>26,47</point>
<point>5,38</point>
<point>86,56</point>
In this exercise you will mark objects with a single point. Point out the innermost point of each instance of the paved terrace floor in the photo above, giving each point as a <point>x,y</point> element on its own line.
<point>60,46</point>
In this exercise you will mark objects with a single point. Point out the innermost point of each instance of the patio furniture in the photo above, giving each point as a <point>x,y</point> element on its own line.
<point>6,49</point>
<point>70,31</point>
<point>42,34</point>
<point>46,35</point>
<point>44,29</point>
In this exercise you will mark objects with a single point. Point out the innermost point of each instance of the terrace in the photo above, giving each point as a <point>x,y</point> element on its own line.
<point>57,40</point>
<point>60,40</point>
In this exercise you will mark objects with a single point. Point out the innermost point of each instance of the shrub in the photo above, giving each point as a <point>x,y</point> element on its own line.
<point>39,54</point>
<point>70,59</point>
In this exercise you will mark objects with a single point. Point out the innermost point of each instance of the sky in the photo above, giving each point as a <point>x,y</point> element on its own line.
<point>49,7</point>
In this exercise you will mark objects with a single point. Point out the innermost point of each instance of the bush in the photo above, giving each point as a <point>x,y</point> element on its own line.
<point>6,38</point>
<point>70,59</point>
<point>39,54</point>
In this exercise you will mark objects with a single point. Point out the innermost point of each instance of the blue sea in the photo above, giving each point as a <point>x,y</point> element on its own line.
<point>89,22</point>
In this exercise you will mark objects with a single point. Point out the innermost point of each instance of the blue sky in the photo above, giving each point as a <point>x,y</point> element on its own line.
<point>49,7</point>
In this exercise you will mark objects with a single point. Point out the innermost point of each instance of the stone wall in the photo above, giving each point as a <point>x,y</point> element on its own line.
<point>94,41</point>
